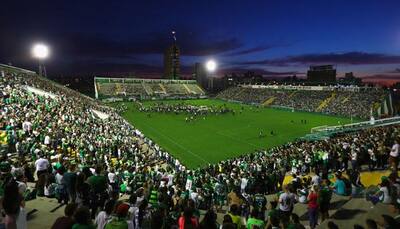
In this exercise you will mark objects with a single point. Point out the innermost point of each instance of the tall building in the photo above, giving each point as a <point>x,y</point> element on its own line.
<point>171,61</point>
<point>324,74</point>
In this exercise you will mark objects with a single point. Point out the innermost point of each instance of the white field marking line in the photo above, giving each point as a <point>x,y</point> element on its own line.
<point>177,144</point>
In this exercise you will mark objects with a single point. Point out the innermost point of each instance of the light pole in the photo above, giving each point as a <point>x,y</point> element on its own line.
<point>41,52</point>
<point>211,66</point>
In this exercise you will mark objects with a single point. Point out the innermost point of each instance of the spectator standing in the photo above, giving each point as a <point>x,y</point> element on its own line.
<point>41,164</point>
<point>313,206</point>
<point>325,195</point>
<point>394,155</point>
<point>69,181</point>
<point>104,216</point>
<point>98,184</point>
<point>13,206</point>
<point>285,203</point>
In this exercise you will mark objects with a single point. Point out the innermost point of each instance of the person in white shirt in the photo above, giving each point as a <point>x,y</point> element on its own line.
<point>315,179</point>
<point>27,126</point>
<point>112,177</point>
<point>286,202</point>
<point>354,159</point>
<point>47,140</point>
<point>41,165</point>
<point>104,216</point>
<point>394,155</point>
<point>133,212</point>
<point>243,183</point>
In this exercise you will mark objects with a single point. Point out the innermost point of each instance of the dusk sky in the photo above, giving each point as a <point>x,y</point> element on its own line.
<point>271,37</point>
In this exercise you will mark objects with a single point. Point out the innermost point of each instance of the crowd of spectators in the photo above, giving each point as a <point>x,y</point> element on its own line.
<point>88,163</point>
<point>338,102</point>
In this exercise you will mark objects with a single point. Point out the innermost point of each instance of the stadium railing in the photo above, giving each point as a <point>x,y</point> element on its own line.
<point>358,125</point>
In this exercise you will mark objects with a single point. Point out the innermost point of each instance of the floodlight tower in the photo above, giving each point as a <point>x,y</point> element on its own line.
<point>41,52</point>
<point>211,66</point>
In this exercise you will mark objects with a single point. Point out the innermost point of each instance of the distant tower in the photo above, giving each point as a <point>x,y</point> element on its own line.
<point>171,60</point>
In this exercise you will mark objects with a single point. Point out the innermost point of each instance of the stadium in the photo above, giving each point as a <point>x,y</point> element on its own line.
<point>141,126</point>
<point>201,150</point>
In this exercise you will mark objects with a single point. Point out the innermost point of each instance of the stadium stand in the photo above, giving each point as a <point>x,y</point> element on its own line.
<point>87,163</point>
<point>146,88</point>
<point>349,102</point>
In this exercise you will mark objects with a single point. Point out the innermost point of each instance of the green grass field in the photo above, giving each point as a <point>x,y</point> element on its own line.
<point>224,136</point>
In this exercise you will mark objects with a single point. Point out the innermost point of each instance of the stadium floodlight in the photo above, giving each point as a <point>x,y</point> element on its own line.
<point>211,65</point>
<point>40,51</point>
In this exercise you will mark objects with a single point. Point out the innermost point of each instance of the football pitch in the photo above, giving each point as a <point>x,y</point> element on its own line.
<point>219,137</point>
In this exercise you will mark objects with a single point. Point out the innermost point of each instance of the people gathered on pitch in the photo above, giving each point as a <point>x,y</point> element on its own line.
<point>182,108</point>
<point>109,175</point>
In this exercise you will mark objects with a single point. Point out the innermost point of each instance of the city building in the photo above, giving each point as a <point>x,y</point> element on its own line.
<point>321,74</point>
<point>171,62</point>
<point>350,79</point>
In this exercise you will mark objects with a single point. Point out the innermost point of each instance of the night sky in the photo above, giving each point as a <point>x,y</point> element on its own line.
<point>274,38</point>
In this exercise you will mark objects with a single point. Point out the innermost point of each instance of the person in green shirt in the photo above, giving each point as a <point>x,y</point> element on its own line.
<point>254,220</point>
<point>324,199</point>
<point>82,219</point>
<point>98,182</point>
<point>273,213</point>
<point>235,215</point>
<point>119,222</point>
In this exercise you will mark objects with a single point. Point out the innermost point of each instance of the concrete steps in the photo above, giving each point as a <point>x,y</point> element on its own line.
<point>147,88</point>
<point>269,101</point>
<point>163,88</point>
<point>326,102</point>
<point>187,89</point>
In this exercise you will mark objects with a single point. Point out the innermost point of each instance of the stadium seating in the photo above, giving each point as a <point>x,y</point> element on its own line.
<point>356,103</point>
<point>143,88</point>
<point>76,155</point>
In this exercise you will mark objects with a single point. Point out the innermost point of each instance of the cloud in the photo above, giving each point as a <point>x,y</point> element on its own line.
<point>383,79</point>
<point>348,58</point>
<point>98,47</point>
<point>397,70</point>
<point>260,71</point>
<point>251,50</point>
<point>383,76</point>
